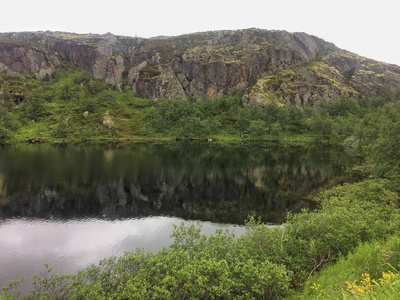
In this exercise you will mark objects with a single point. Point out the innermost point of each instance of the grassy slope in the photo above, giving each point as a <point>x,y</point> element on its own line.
<point>54,111</point>
<point>371,271</point>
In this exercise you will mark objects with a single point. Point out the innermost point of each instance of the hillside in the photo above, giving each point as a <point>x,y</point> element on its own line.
<point>65,88</point>
<point>265,66</point>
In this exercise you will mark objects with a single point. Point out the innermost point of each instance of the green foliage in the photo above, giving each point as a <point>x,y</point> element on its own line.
<point>275,130</point>
<point>33,106</point>
<point>263,242</point>
<point>71,93</point>
<point>344,127</point>
<point>173,112</point>
<point>321,127</point>
<point>8,123</point>
<point>343,107</point>
<point>11,290</point>
<point>349,228</point>
<point>5,134</point>
<point>88,104</point>
<point>264,263</point>
<point>6,99</point>
<point>349,215</point>
<point>371,258</point>
<point>257,129</point>
<point>64,93</point>
<point>291,118</point>
<point>105,97</point>
<point>194,128</point>
<point>377,191</point>
<point>61,128</point>
<point>384,148</point>
<point>195,266</point>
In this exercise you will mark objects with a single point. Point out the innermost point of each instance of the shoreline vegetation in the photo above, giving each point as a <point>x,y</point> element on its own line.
<point>347,248</point>
<point>143,139</point>
<point>75,107</point>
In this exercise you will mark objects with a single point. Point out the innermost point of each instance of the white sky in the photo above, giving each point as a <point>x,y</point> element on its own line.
<point>368,28</point>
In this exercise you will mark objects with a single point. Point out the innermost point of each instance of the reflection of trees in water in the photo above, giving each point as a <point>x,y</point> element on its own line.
<point>216,183</point>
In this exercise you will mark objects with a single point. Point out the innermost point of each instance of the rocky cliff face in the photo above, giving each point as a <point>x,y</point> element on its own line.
<point>292,68</point>
<point>25,59</point>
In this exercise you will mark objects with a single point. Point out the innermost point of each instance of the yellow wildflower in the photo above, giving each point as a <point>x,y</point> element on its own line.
<point>315,286</point>
<point>387,277</point>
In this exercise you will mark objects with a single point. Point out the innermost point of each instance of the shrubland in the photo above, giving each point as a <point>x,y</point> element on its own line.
<point>73,106</point>
<point>347,248</point>
<point>327,252</point>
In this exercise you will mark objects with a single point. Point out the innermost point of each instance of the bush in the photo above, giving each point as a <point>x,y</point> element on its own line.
<point>173,111</point>
<point>195,266</point>
<point>65,93</point>
<point>33,106</point>
<point>371,259</point>
<point>5,134</point>
<point>88,104</point>
<point>321,127</point>
<point>61,129</point>
<point>384,149</point>
<point>6,99</point>
<point>194,128</point>
<point>342,107</point>
<point>263,242</point>
<point>105,97</point>
<point>349,215</point>
<point>257,129</point>
<point>261,264</point>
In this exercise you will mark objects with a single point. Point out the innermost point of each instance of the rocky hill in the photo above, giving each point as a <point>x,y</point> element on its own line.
<point>291,68</point>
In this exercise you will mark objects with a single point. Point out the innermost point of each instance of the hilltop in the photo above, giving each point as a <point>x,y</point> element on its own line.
<point>265,66</point>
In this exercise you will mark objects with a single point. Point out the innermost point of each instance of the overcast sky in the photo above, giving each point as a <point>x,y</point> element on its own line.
<point>368,28</point>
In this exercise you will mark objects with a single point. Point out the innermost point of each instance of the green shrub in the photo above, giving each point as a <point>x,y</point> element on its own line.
<point>349,215</point>
<point>195,266</point>
<point>342,107</point>
<point>371,258</point>
<point>194,128</point>
<point>61,129</point>
<point>321,127</point>
<point>33,106</point>
<point>257,129</point>
<point>88,104</point>
<point>6,99</point>
<point>263,242</point>
<point>64,93</point>
<point>5,134</point>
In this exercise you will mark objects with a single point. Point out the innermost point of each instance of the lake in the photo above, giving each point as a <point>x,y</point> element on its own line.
<point>70,206</point>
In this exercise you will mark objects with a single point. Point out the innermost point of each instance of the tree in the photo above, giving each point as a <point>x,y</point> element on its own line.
<point>342,107</point>
<point>6,99</point>
<point>257,129</point>
<point>321,127</point>
<point>34,105</point>
<point>61,129</point>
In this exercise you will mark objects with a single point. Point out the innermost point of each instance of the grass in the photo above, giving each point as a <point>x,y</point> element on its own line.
<point>347,279</point>
<point>72,107</point>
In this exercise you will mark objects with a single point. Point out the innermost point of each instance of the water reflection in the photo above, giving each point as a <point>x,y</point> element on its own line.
<point>192,181</point>
<point>70,206</point>
<point>68,246</point>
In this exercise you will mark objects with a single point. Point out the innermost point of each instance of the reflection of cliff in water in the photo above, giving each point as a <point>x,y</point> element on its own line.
<point>207,182</point>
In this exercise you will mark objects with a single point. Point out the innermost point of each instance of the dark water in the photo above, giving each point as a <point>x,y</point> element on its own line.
<point>73,205</point>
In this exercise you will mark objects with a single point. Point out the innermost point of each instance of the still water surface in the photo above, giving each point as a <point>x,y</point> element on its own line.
<point>70,245</point>
<point>70,206</point>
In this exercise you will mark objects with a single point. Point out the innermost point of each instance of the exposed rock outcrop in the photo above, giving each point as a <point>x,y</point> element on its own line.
<point>292,68</point>
<point>26,59</point>
<point>333,75</point>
